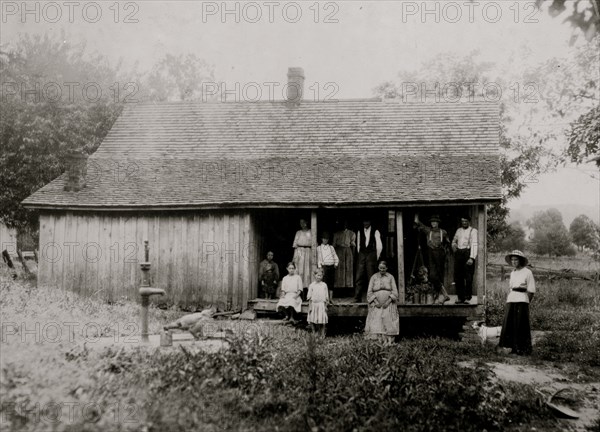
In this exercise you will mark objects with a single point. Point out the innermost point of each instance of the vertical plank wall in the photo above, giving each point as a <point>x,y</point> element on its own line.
<point>199,259</point>
<point>8,240</point>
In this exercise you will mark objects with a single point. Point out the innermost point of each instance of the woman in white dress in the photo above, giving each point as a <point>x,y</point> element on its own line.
<point>291,288</point>
<point>303,252</point>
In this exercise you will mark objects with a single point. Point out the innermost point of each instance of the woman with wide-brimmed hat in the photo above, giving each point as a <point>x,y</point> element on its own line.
<point>516,332</point>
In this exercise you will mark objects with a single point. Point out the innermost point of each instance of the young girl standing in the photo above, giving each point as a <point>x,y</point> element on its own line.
<point>291,288</point>
<point>318,297</point>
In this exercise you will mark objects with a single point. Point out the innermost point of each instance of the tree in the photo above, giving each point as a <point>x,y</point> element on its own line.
<point>584,137</point>
<point>570,95</point>
<point>513,238</point>
<point>178,78</point>
<point>55,100</point>
<point>550,236</point>
<point>522,154</point>
<point>530,133</point>
<point>583,15</point>
<point>584,232</point>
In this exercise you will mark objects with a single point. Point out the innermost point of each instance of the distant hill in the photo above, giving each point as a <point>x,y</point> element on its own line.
<point>568,211</point>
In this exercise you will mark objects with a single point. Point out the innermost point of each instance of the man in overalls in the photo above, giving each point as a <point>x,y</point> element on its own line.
<point>438,243</point>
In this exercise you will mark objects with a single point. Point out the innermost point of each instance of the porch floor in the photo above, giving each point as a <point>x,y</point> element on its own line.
<point>345,307</point>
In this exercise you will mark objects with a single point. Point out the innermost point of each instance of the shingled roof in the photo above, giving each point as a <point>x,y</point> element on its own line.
<point>367,152</point>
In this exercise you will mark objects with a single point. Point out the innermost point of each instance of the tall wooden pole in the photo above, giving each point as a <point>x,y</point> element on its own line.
<point>481,252</point>
<point>400,257</point>
<point>313,236</point>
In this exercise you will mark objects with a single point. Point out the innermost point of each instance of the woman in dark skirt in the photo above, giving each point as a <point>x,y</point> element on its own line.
<point>516,332</point>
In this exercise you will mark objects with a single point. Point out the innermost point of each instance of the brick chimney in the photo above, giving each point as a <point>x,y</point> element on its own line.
<point>295,85</point>
<point>76,163</point>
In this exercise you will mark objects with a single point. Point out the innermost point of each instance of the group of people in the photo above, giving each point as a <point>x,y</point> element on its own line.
<point>464,246</point>
<point>382,296</point>
<point>335,269</point>
<point>336,260</point>
<point>335,264</point>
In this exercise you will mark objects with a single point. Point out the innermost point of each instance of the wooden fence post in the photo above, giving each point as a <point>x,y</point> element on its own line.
<point>23,263</point>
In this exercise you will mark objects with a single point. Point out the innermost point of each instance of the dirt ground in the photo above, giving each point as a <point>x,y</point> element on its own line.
<point>583,398</point>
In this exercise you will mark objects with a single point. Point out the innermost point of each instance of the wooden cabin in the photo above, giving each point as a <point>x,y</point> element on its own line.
<point>213,186</point>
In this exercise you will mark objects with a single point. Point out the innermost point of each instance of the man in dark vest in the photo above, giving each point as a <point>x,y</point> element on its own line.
<point>369,247</point>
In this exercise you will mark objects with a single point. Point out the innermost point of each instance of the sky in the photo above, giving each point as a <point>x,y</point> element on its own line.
<point>354,45</point>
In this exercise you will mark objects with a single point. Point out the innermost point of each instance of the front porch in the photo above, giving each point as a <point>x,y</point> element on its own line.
<point>345,307</point>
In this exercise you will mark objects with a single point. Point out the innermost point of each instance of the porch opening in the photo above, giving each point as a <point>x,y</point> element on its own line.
<point>276,228</point>
<point>449,221</point>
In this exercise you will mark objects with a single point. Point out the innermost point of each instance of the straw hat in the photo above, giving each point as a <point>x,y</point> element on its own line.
<point>519,254</point>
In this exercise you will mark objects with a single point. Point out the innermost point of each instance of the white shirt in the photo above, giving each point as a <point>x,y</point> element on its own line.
<point>378,244</point>
<point>466,239</point>
<point>522,278</point>
<point>326,256</point>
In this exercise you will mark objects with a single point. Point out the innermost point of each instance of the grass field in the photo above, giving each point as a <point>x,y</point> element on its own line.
<point>53,378</point>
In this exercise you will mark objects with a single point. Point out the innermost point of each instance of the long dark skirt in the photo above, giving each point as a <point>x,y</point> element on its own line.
<point>516,332</point>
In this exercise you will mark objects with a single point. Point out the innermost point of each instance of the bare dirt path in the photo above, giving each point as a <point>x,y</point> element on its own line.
<point>584,397</point>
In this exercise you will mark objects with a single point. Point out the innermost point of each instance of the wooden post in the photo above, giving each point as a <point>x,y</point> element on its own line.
<point>481,253</point>
<point>400,257</point>
<point>7,259</point>
<point>23,263</point>
<point>313,236</point>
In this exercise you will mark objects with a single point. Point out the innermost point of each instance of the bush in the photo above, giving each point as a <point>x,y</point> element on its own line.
<point>582,347</point>
<point>344,384</point>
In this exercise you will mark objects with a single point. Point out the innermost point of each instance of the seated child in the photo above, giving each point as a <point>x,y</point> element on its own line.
<point>291,288</point>
<point>318,297</point>
<point>424,286</point>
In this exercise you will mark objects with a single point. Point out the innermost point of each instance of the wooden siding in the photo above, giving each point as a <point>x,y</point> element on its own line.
<point>8,240</point>
<point>198,258</point>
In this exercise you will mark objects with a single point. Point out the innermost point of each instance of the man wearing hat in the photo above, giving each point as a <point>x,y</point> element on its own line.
<point>516,331</point>
<point>464,246</point>
<point>437,243</point>
<point>369,247</point>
